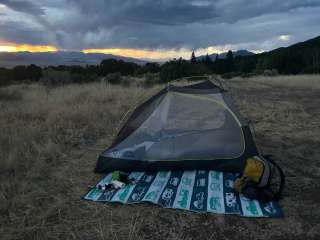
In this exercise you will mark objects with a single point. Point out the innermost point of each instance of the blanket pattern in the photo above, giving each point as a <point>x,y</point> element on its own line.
<point>199,191</point>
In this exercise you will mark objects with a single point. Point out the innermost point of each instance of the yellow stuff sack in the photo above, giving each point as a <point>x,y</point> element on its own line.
<point>262,179</point>
<point>253,173</point>
<point>254,169</point>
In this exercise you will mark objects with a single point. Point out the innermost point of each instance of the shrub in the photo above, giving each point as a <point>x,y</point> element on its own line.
<point>108,66</point>
<point>311,69</point>
<point>53,78</point>
<point>175,69</point>
<point>229,75</point>
<point>113,78</point>
<point>272,72</point>
<point>248,75</point>
<point>126,81</point>
<point>151,79</point>
<point>180,68</point>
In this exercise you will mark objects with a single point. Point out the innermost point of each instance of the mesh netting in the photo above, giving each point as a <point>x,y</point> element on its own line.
<point>182,127</point>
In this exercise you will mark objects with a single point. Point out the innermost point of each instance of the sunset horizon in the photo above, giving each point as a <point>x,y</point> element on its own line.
<point>156,54</point>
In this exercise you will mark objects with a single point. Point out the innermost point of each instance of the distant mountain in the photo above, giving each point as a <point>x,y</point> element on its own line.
<point>242,52</point>
<point>58,58</point>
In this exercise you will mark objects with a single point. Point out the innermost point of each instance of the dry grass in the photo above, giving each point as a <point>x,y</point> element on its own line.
<point>49,144</point>
<point>308,82</point>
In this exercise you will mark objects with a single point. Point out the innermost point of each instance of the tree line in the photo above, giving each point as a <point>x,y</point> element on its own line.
<point>299,58</point>
<point>75,73</point>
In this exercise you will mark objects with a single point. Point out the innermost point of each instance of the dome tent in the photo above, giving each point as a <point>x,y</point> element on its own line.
<point>180,128</point>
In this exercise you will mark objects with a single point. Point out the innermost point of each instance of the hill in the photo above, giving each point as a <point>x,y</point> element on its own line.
<point>303,57</point>
<point>58,58</point>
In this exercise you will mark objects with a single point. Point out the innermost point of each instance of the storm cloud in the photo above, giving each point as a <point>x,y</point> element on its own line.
<point>159,24</point>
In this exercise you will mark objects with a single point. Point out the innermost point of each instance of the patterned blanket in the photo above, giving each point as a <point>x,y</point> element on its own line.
<point>199,191</point>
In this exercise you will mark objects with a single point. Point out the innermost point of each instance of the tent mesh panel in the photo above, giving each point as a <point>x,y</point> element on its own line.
<point>183,127</point>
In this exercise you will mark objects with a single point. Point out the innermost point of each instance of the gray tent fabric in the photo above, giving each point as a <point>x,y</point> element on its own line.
<point>181,128</point>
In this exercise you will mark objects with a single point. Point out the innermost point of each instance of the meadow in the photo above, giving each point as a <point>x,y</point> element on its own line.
<point>50,140</point>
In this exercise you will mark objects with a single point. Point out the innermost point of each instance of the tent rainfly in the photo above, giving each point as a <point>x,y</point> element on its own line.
<point>182,128</point>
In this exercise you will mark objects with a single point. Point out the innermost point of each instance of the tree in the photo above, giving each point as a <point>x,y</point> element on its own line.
<point>245,64</point>
<point>34,72</point>
<point>112,66</point>
<point>193,58</point>
<point>20,73</point>
<point>207,60</point>
<point>6,76</point>
<point>230,56</point>
<point>229,61</point>
<point>180,68</point>
<point>149,68</point>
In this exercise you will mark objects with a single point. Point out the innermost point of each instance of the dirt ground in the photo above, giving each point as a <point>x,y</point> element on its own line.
<point>50,140</point>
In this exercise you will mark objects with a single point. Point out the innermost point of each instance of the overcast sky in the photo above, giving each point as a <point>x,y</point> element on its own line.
<point>169,27</point>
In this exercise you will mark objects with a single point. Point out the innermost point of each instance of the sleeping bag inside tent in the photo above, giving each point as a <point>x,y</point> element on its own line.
<point>182,128</point>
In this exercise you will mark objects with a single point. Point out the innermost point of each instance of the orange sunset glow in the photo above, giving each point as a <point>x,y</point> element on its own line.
<point>152,54</point>
<point>126,52</point>
<point>136,53</point>
<point>27,48</point>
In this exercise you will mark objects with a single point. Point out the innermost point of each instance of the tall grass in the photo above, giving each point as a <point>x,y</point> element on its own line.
<point>40,131</point>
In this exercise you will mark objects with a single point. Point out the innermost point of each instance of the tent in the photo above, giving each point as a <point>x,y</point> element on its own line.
<point>182,128</point>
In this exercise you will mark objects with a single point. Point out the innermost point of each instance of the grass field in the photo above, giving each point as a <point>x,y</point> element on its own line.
<point>49,143</point>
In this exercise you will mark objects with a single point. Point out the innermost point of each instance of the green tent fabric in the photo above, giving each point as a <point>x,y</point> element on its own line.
<point>201,191</point>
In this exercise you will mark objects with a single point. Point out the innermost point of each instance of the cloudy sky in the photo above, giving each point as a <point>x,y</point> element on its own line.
<point>156,28</point>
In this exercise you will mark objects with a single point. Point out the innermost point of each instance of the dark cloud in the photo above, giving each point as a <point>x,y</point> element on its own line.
<point>23,6</point>
<point>233,11</point>
<point>21,34</point>
<point>162,24</point>
<point>167,12</point>
<point>158,12</point>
